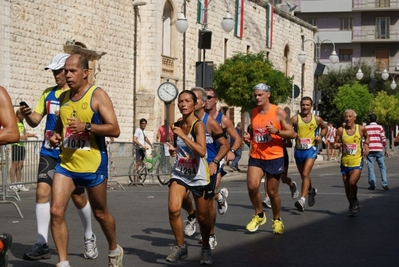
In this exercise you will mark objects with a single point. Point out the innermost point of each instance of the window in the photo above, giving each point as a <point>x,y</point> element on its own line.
<point>345,55</point>
<point>345,24</point>
<point>312,22</point>
<point>382,28</point>
<point>382,3</point>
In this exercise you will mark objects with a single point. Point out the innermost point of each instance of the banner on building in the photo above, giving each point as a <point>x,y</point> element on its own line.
<point>269,25</point>
<point>239,19</point>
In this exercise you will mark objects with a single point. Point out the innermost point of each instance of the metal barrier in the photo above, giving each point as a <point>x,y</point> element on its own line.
<point>28,171</point>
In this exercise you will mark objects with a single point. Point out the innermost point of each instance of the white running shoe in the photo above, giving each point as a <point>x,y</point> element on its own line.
<point>267,203</point>
<point>212,241</point>
<point>222,204</point>
<point>91,251</point>
<point>190,227</point>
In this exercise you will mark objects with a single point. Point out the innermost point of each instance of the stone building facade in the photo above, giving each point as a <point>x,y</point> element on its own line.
<point>32,32</point>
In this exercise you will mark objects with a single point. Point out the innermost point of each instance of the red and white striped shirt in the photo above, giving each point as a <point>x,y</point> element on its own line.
<point>376,136</point>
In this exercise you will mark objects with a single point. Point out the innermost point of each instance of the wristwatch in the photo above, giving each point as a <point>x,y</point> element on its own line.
<point>215,161</point>
<point>232,150</point>
<point>88,127</point>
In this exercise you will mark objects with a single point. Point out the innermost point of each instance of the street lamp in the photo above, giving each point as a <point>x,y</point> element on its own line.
<point>302,59</point>
<point>182,25</point>
<point>384,74</point>
<point>393,84</point>
<point>136,5</point>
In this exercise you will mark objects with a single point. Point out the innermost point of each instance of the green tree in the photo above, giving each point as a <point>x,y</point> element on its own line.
<point>356,97</point>
<point>235,79</point>
<point>386,107</point>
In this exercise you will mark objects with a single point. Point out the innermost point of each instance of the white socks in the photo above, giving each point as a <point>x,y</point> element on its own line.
<point>43,221</point>
<point>85,217</point>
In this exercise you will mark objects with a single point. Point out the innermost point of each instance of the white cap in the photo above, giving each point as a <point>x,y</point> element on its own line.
<point>58,62</point>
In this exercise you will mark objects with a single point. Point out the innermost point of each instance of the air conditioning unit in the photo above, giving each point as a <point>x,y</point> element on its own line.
<point>397,67</point>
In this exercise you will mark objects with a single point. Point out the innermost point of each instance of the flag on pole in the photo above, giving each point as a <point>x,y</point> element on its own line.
<point>239,18</point>
<point>269,25</point>
<point>201,6</point>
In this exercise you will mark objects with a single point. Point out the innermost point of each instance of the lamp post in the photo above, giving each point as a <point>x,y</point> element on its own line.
<point>302,59</point>
<point>136,5</point>
<point>182,25</point>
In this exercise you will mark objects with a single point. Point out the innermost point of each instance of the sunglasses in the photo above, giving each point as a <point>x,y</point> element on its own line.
<point>209,97</point>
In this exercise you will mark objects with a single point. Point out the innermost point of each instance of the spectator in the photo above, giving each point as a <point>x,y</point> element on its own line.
<point>161,134</point>
<point>330,137</point>
<point>234,164</point>
<point>377,151</point>
<point>18,154</point>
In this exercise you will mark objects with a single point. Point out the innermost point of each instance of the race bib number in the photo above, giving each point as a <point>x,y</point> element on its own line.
<point>262,135</point>
<point>304,143</point>
<point>349,149</point>
<point>79,140</point>
<point>47,137</point>
<point>187,166</point>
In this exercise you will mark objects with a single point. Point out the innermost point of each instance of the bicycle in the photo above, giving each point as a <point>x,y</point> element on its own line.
<point>147,167</point>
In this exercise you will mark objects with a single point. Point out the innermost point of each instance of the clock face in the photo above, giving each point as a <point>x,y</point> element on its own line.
<point>167,92</point>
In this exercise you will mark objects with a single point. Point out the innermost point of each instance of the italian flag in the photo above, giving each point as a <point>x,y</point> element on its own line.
<point>269,25</point>
<point>201,6</point>
<point>239,18</point>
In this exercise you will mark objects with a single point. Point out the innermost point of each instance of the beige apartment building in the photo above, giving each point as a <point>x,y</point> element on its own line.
<point>134,46</point>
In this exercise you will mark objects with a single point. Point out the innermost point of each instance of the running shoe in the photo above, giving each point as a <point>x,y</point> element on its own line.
<point>294,190</point>
<point>267,203</point>
<point>351,213</point>
<point>38,252</point>
<point>300,205</point>
<point>190,227</point>
<point>22,187</point>
<point>355,205</point>
<point>212,241</point>
<point>13,188</point>
<point>91,251</point>
<point>222,204</point>
<point>253,225</point>
<point>278,226</point>
<point>311,197</point>
<point>59,265</point>
<point>206,256</point>
<point>116,260</point>
<point>6,240</point>
<point>178,253</point>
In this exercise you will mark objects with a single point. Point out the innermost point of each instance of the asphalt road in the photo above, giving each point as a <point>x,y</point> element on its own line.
<point>323,235</point>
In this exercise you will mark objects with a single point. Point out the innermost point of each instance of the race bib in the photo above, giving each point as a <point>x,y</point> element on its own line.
<point>47,137</point>
<point>304,143</point>
<point>79,140</point>
<point>261,135</point>
<point>187,166</point>
<point>349,149</point>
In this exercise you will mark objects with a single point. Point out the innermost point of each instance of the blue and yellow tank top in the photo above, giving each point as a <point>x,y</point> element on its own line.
<point>211,147</point>
<point>190,168</point>
<point>82,152</point>
<point>306,133</point>
<point>352,151</point>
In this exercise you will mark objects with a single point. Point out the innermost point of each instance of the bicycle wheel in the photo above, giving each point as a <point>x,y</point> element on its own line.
<point>142,174</point>
<point>164,170</point>
<point>132,169</point>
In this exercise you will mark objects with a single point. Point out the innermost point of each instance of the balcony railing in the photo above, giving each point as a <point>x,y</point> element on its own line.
<point>168,66</point>
<point>371,4</point>
<point>373,35</point>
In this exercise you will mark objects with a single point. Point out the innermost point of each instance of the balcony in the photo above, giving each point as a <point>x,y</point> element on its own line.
<point>168,66</point>
<point>390,36</point>
<point>375,5</point>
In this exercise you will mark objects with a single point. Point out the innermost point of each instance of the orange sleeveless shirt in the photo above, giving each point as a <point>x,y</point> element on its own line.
<point>264,145</point>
